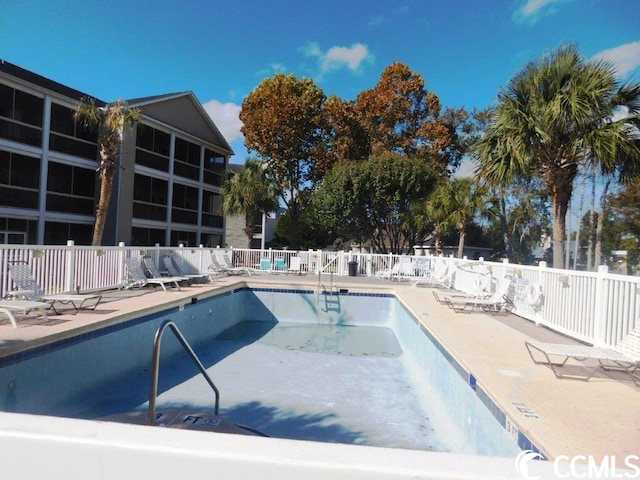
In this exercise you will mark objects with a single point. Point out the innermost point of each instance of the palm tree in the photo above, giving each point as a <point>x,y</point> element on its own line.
<point>110,121</point>
<point>558,113</point>
<point>453,205</point>
<point>250,192</point>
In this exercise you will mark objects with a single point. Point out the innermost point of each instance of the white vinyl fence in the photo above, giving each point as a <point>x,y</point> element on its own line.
<point>596,307</point>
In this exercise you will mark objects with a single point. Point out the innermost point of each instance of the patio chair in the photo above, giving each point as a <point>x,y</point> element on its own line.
<point>265,265</point>
<point>220,262</point>
<point>401,270</point>
<point>279,265</point>
<point>295,266</point>
<point>137,277</point>
<point>625,356</point>
<point>498,301</point>
<point>8,307</point>
<point>481,290</point>
<point>154,272</point>
<point>441,276</point>
<point>171,266</point>
<point>28,289</point>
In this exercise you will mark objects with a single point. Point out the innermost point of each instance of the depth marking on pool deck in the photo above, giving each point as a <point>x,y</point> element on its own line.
<point>526,411</point>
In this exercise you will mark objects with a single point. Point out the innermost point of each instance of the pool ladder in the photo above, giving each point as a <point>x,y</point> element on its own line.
<point>333,291</point>
<point>155,366</point>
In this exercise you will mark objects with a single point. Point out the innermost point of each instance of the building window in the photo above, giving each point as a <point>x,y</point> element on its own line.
<point>69,136</point>
<point>70,189</point>
<point>150,198</point>
<point>152,148</point>
<point>214,167</point>
<point>19,180</point>
<point>146,236</point>
<point>186,159</point>
<point>56,233</point>
<point>20,112</point>
<point>18,231</point>
<point>211,203</point>
<point>184,237</point>
<point>211,240</point>
<point>185,204</point>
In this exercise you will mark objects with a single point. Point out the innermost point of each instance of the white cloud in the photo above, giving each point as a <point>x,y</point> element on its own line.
<point>625,58</point>
<point>338,57</point>
<point>376,21</point>
<point>532,10</point>
<point>226,116</point>
<point>352,57</point>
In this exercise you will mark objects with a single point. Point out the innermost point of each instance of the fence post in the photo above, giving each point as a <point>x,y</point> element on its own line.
<point>600,327</point>
<point>121,257</point>
<point>71,268</point>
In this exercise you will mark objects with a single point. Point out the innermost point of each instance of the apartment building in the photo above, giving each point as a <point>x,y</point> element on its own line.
<point>167,190</point>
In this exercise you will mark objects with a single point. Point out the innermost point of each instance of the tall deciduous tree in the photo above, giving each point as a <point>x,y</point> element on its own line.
<point>249,192</point>
<point>282,120</point>
<point>110,121</point>
<point>401,116</point>
<point>556,114</point>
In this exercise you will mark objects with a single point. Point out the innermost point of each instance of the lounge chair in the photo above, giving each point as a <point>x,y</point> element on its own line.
<point>498,301</point>
<point>481,290</point>
<point>624,356</point>
<point>171,266</point>
<point>28,289</point>
<point>137,277</point>
<point>441,276</point>
<point>8,307</point>
<point>401,270</point>
<point>221,263</point>
<point>154,272</point>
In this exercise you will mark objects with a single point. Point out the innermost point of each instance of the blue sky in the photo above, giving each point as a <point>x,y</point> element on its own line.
<point>221,50</point>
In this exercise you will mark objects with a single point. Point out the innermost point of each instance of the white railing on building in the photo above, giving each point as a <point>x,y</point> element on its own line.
<point>599,308</point>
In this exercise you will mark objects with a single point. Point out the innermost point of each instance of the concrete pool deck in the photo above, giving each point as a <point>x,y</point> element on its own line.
<point>563,417</point>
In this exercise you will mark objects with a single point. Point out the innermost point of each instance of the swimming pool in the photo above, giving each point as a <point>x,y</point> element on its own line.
<point>348,368</point>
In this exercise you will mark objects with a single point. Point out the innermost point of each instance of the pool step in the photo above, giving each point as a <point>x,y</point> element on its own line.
<point>184,419</point>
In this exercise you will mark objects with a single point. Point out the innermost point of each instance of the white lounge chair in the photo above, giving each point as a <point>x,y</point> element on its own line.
<point>137,277</point>
<point>401,270</point>
<point>441,276</point>
<point>624,356</point>
<point>28,289</point>
<point>221,263</point>
<point>481,290</point>
<point>498,301</point>
<point>154,272</point>
<point>9,307</point>
<point>171,266</point>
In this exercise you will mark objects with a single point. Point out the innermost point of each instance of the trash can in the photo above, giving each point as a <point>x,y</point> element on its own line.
<point>353,268</point>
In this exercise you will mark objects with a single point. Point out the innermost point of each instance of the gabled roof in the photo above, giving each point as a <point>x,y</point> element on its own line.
<point>43,82</point>
<point>183,111</point>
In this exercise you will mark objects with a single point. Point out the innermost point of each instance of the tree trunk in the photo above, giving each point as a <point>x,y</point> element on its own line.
<point>592,217</point>
<point>505,231</point>
<point>598,249</point>
<point>559,205</point>
<point>106,187</point>
<point>463,234</point>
